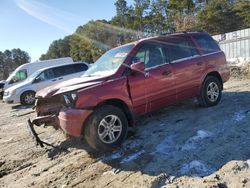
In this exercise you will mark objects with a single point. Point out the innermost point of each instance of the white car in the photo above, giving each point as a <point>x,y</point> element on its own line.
<point>24,71</point>
<point>24,92</point>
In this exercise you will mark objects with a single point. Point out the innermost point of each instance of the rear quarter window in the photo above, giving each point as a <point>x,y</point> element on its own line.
<point>206,44</point>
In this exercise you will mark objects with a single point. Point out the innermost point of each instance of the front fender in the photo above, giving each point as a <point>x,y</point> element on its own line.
<point>20,91</point>
<point>111,89</point>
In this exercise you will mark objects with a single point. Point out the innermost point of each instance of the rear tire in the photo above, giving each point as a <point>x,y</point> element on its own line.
<point>106,129</point>
<point>211,91</point>
<point>28,98</point>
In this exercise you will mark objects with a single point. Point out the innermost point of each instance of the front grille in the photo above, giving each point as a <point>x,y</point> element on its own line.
<point>49,106</point>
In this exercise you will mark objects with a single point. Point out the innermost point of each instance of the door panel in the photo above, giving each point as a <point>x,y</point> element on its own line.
<point>187,66</point>
<point>187,77</point>
<point>155,87</point>
<point>45,79</point>
<point>138,92</point>
<point>44,84</point>
<point>160,86</point>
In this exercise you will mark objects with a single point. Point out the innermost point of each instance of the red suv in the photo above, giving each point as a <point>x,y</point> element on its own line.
<point>132,80</point>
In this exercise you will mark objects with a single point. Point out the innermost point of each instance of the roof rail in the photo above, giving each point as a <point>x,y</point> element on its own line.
<point>166,33</point>
<point>184,32</point>
<point>170,33</point>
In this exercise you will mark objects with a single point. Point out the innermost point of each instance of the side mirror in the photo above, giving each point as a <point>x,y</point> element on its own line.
<point>138,67</point>
<point>36,80</point>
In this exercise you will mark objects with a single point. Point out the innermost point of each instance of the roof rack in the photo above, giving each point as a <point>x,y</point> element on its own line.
<point>170,33</point>
<point>184,32</point>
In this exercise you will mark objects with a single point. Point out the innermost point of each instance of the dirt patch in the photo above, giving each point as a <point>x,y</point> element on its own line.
<point>179,146</point>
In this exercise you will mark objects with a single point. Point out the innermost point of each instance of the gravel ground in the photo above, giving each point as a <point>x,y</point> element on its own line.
<point>179,146</point>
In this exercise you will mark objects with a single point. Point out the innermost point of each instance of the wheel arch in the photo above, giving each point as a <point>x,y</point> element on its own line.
<point>117,103</point>
<point>25,91</point>
<point>217,75</point>
<point>123,106</point>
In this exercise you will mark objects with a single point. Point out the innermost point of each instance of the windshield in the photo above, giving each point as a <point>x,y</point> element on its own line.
<point>109,62</point>
<point>11,76</point>
<point>17,76</point>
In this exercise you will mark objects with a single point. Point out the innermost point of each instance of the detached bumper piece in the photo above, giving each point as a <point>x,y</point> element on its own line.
<point>39,121</point>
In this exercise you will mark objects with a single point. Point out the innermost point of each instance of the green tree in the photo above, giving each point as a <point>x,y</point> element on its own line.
<point>82,50</point>
<point>19,57</point>
<point>122,10</point>
<point>141,10</point>
<point>3,69</point>
<point>99,32</point>
<point>182,6</point>
<point>104,35</point>
<point>218,16</point>
<point>182,14</point>
<point>11,59</point>
<point>157,21</point>
<point>57,49</point>
<point>242,9</point>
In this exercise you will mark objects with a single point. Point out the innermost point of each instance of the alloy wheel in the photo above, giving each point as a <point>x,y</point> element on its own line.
<point>213,92</point>
<point>29,99</point>
<point>110,129</point>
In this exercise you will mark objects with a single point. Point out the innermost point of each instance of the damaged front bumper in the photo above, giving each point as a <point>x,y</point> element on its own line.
<point>69,120</point>
<point>38,122</point>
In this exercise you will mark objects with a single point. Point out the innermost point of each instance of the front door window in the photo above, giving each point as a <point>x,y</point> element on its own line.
<point>151,54</point>
<point>45,75</point>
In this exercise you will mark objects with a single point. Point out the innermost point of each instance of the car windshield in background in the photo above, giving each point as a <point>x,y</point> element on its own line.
<point>108,63</point>
<point>18,76</point>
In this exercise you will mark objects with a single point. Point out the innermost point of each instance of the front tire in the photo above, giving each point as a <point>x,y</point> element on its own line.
<point>106,129</point>
<point>211,91</point>
<point>28,98</point>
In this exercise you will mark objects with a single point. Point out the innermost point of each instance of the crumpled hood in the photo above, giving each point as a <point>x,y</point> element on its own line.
<point>70,85</point>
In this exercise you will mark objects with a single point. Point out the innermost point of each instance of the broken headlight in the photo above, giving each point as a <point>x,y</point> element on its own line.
<point>70,99</point>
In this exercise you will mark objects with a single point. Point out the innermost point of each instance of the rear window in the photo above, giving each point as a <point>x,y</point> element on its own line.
<point>207,44</point>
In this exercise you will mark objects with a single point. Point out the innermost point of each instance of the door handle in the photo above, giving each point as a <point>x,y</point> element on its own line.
<point>166,72</point>
<point>199,63</point>
<point>53,80</point>
<point>60,78</point>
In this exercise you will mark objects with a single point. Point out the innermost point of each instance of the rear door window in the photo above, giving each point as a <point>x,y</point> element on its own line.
<point>178,49</point>
<point>80,67</point>
<point>206,44</point>
<point>64,70</point>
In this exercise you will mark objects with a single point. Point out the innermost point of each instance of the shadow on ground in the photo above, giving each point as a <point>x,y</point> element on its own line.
<point>183,139</point>
<point>21,107</point>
